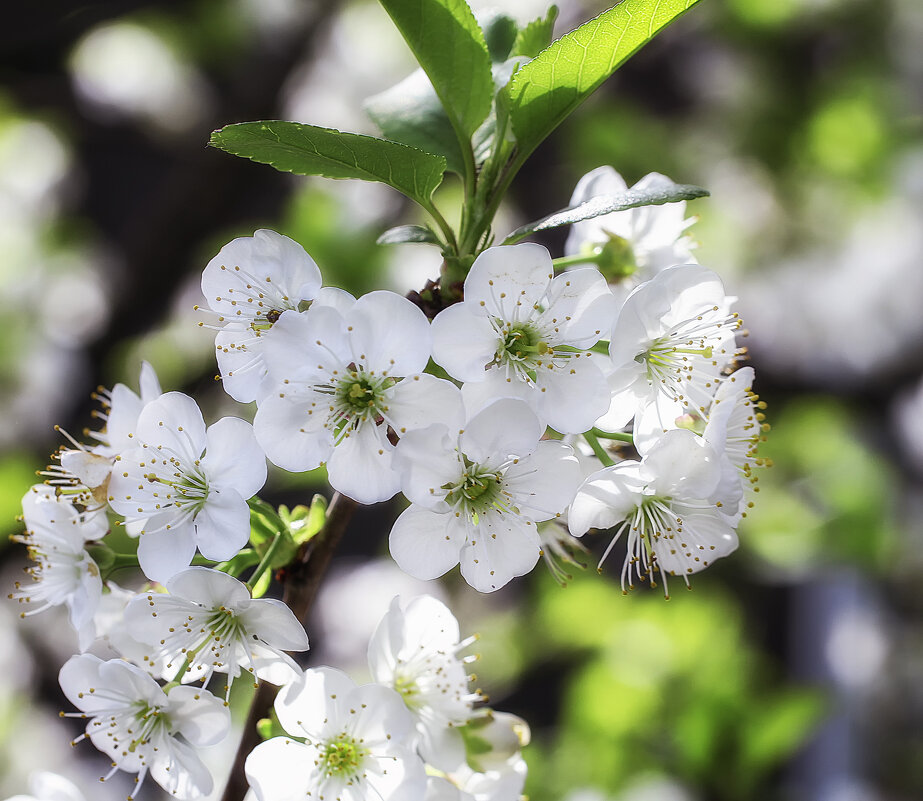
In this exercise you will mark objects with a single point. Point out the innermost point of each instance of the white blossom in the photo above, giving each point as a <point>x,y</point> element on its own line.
<point>63,573</point>
<point>248,284</point>
<point>477,495</point>
<point>81,472</point>
<point>671,340</point>
<point>638,242</point>
<point>521,332</point>
<point>668,507</point>
<point>414,651</point>
<point>184,487</point>
<point>142,728</point>
<point>208,618</point>
<point>357,745</point>
<point>347,380</point>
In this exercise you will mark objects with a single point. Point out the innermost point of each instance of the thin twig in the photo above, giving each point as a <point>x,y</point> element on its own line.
<point>301,582</point>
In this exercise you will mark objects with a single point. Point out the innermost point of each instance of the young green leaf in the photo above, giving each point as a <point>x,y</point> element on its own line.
<point>664,192</point>
<point>536,36</point>
<point>404,234</point>
<point>447,41</point>
<point>309,150</point>
<point>547,89</point>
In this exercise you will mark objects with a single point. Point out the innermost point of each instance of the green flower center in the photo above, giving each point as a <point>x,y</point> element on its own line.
<point>343,756</point>
<point>477,491</point>
<point>522,342</point>
<point>361,395</point>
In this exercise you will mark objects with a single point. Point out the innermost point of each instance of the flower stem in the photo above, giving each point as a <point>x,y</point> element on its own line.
<point>618,436</point>
<point>302,580</point>
<point>570,261</point>
<point>265,562</point>
<point>598,449</point>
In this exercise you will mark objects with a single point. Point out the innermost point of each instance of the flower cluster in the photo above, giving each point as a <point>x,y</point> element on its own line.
<point>417,719</point>
<point>555,397</point>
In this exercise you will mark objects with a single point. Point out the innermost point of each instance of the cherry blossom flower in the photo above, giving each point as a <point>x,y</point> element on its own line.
<point>466,784</point>
<point>670,342</point>
<point>349,379</point>
<point>476,496</point>
<point>47,786</point>
<point>251,281</point>
<point>81,472</point>
<point>667,506</point>
<point>185,487</point>
<point>357,744</point>
<point>63,573</point>
<point>521,332</point>
<point>209,619</point>
<point>414,651</point>
<point>141,727</point>
<point>636,243</point>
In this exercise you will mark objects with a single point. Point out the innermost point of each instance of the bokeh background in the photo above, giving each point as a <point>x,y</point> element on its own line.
<point>794,668</point>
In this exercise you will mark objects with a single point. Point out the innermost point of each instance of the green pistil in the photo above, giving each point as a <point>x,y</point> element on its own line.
<point>522,342</point>
<point>343,756</point>
<point>476,491</point>
<point>362,395</point>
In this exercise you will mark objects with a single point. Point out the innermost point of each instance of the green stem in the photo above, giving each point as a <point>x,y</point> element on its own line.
<point>265,562</point>
<point>177,679</point>
<point>570,261</point>
<point>618,436</point>
<point>443,224</point>
<point>598,449</point>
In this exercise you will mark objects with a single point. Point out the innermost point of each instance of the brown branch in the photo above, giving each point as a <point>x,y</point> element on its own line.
<point>301,583</point>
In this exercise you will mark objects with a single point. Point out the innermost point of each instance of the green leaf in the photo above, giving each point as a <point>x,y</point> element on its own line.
<point>309,150</point>
<point>410,112</point>
<point>536,36</point>
<point>408,233</point>
<point>662,192</point>
<point>778,727</point>
<point>449,45</point>
<point>500,33</point>
<point>547,89</point>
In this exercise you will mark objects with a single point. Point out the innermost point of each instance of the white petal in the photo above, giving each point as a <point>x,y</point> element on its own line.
<point>544,483</point>
<point>606,498</point>
<point>426,460</point>
<point>282,770</point>
<point>275,624</point>
<point>360,465</point>
<point>233,458</point>
<point>306,708</point>
<point>381,719</point>
<point>388,334</point>
<point>507,427</point>
<point>198,715</point>
<point>306,347</point>
<point>244,375</point>
<point>510,280</point>
<point>222,526</point>
<point>580,307</point>
<point>210,588</point>
<point>162,554</point>
<point>501,548</point>
<point>423,400</point>
<point>682,463</point>
<point>175,421</point>
<point>425,544</point>
<point>292,434</point>
<point>464,343</point>
<point>572,398</point>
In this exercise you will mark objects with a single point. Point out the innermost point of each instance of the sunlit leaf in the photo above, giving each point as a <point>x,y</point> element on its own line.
<point>309,150</point>
<point>547,89</point>
<point>449,45</point>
